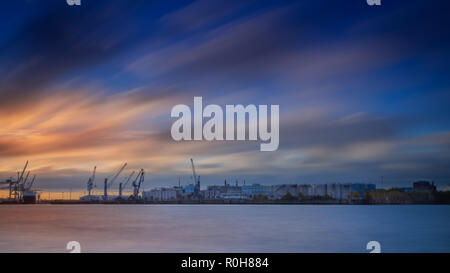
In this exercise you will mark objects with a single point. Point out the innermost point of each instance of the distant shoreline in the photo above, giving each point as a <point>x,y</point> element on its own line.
<point>221,202</point>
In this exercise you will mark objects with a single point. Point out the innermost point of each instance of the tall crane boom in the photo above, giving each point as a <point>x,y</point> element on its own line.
<point>193,171</point>
<point>196,180</point>
<point>93,175</point>
<point>128,180</point>
<point>19,178</point>
<point>137,186</point>
<point>30,184</point>
<point>26,178</point>
<point>91,183</point>
<point>123,185</point>
<point>141,180</point>
<point>117,174</point>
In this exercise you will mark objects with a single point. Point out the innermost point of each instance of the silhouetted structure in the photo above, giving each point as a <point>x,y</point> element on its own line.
<point>424,186</point>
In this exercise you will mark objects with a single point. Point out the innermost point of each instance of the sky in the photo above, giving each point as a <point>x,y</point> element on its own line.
<point>363,90</point>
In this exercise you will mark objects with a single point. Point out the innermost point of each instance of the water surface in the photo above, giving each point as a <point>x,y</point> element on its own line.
<point>224,228</point>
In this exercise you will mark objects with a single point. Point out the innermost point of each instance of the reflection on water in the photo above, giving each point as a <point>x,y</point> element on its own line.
<point>224,228</point>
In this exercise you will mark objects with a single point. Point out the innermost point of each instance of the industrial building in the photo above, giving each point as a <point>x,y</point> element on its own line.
<point>163,194</point>
<point>424,186</point>
<point>281,190</point>
<point>256,189</point>
<point>306,190</point>
<point>361,189</point>
<point>320,190</point>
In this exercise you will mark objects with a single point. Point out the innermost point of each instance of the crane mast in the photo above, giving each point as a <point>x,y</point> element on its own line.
<point>117,174</point>
<point>26,178</point>
<point>137,185</point>
<point>196,180</point>
<point>27,188</point>
<point>123,185</point>
<point>90,183</point>
<point>193,171</point>
<point>129,178</point>
<point>107,185</point>
<point>19,178</point>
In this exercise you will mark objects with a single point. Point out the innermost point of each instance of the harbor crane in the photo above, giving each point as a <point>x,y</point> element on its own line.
<point>196,179</point>
<point>123,185</point>
<point>19,185</point>
<point>21,188</point>
<point>112,180</point>
<point>19,178</point>
<point>137,184</point>
<point>91,183</point>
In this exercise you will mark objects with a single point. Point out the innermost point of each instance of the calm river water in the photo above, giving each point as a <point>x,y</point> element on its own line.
<point>224,228</point>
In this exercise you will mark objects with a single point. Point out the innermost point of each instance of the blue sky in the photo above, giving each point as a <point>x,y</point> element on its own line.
<point>363,90</point>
